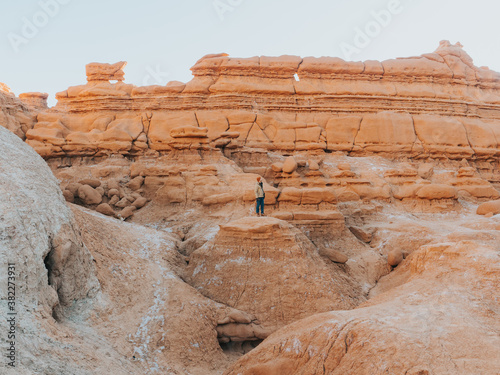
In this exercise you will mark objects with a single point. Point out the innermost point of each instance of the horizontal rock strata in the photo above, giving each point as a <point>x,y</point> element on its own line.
<point>438,105</point>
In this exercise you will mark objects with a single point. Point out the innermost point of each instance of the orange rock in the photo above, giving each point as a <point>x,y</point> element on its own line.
<point>255,247</point>
<point>394,257</point>
<point>386,132</point>
<point>359,107</point>
<point>36,100</point>
<point>277,167</point>
<point>105,72</point>
<point>105,209</point>
<point>442,136</point>
<point>334,256</point>
<point>218,199</point>
<point>289,165</point>
<point>126,212</point>
<point>437,191</point>
<point>172,87</point>
<point>88,195</point>
<point>341,131</point>
<point>290,195</point>
<point>318,215</point>
<point>359,342</point>
<point>188,131</point>
<point>318,195</point>
<point>489,207</point>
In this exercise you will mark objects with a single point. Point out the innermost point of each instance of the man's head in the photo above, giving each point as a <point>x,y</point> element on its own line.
<point>258,179</point>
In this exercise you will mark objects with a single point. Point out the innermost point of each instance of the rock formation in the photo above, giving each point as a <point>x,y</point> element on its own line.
<point>53,269</point>
<point>39,231</point>
<point>14,114</point>
<point>36,100</point>
<point>379,252</point>
<point>105,72</point>
<point>391,108</point>
<point>284,277</point>
<point>151,318</point>
<point>83,280</point>
<point>402,331</point>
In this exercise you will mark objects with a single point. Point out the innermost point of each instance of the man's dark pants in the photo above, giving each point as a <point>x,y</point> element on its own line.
<point>260,203</point>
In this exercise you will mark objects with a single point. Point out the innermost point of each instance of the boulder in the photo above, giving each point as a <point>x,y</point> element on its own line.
<point>114,200</point>
<point>68,195</point>
<point>126,212</point>
<point>91,182</point>
<point>492,207</point>
<point>136,183</point>
<point>89,195</point>
<point>290,165</point>
<point>313,166</point>
<point>437,191</point>
<point>334,255</point>
<point>394,257</point>
<point>113,184</point>
<point>73,187</point>
<point>140,202</point>
<point>113,192</point>
<point>277,167</point>
<point>122,203</point>
<point>105,209</point>
<point>361,233</point>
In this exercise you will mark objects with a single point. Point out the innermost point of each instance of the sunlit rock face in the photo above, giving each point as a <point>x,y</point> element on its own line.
<point>15,114</point>
<point>436,105</point>
<point>379,252</point>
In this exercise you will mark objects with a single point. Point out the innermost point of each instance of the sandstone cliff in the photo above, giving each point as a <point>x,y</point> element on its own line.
<point>379,253</point>
<point>436,105</point>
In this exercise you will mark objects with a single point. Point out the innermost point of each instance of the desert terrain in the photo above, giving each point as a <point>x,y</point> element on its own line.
<point>129,215</point>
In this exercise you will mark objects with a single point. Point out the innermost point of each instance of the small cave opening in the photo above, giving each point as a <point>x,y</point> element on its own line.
<point>48,262</point>
<point>242,347</point>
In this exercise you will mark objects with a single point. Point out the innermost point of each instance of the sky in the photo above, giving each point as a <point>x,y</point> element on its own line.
<point>45,44</point>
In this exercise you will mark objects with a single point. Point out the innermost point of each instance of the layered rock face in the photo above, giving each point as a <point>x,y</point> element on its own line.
<point>436,105</point>
<point>110,291</point>
<point>284,277</point>
<point>15,115</point>
<point>381,185</point>
<point>401,332</point>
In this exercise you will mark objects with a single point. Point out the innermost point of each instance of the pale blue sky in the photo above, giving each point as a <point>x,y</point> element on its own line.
<point>162,39</point>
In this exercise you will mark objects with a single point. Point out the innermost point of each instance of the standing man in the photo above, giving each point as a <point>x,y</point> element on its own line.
<point>259,196</point>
